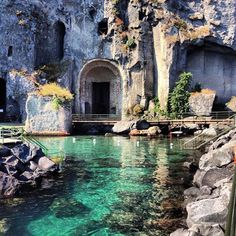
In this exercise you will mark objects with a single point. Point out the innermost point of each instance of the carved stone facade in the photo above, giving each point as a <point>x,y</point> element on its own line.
<point>128,51</point>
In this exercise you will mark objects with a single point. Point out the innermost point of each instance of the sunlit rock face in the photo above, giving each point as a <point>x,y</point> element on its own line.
<point>147,43</point>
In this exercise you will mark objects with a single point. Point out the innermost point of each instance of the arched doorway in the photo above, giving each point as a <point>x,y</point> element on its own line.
<point>2,96</point>
<point>100,88</point>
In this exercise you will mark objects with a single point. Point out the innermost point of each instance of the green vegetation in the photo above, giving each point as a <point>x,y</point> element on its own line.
<point>157,108</point>
<point>178,100</point>
<point>130,43</point>
<point>138,109</point>
<point>60,95</point>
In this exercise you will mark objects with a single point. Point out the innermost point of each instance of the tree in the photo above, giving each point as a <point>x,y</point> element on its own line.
<point>178,100</point>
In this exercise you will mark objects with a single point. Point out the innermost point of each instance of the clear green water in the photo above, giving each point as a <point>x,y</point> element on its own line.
<point>107,186</point>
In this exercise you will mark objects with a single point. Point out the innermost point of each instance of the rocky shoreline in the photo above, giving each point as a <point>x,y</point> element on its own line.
<point>23,166</point>
<point>207,201</point>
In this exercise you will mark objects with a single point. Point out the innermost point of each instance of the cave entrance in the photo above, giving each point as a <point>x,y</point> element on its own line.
<point>2,97</point>
<point>100,88</point>
<point>101,98</point>
<point>214,67</point>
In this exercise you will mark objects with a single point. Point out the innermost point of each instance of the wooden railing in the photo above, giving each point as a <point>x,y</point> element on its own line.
<point>95,117</point>
<point>49,152</point>
<point>203,139</point>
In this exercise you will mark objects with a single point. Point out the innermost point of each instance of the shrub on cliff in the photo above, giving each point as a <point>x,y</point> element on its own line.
<point>178,100</point>
<point>60,95</point>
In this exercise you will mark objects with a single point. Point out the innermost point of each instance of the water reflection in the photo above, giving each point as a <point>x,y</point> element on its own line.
<point>108,186</point>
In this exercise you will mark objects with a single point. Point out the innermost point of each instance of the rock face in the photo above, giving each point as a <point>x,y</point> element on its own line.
<point>207,203</point>
<point>111,42</point>
<point>201,104</point>
<point>43,118</point>
<point>24,165</point>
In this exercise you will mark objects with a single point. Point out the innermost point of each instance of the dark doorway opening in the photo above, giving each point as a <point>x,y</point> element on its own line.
<point>101,98</point>
<point>103,27</point>
<point>2,97</point>
<point>10,50</point>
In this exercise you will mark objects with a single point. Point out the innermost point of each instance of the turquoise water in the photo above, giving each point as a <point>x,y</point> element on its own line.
<point>107,186</point>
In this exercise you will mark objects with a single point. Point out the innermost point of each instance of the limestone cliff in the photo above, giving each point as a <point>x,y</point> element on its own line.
<point>137,47</point>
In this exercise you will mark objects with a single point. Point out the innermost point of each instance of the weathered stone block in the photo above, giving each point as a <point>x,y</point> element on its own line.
<point>202,103</point>
<point>43,118</point>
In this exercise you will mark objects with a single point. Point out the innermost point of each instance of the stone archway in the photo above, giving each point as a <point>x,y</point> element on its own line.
<point>100,88</point>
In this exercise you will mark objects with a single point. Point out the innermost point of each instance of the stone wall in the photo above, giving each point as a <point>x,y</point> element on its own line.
<point>215,68</point>
<point>165,33</point>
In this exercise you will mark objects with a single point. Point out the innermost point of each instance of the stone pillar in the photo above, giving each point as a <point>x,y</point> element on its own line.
<point>164,56</point>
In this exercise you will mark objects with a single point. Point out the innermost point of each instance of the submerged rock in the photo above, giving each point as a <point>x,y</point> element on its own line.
<point>64,207</point>
<point>4,226</point>
<point>124,221</point>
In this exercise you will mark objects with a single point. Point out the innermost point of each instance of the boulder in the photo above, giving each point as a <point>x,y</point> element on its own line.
<point>26,152</point>
<point>13,162</point>
<point>216,158</point>
<point>135,132</point>
<point>8,185</point>
<point>206,230</point>
<point>180,232</point>
<point>209,132</point>
<point>201,103</point>
<point>214,175</point>
<point>124,127</point>
<point>231,105</point>
<point>153,131</point>
<point>192,192</point>
<point>212,211</point>
<point>27,176</point>
<point>4,152</point>
<point>44,163</point>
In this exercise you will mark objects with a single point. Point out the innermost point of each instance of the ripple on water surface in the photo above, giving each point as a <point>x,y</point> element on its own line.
<point>108,186</point>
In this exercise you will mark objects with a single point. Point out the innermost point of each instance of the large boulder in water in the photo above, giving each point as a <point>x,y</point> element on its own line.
<point>212,211</point>
<point>8,185</point>
<point>124,127</point>
<point>26,152</point>
<point>44,163</point>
